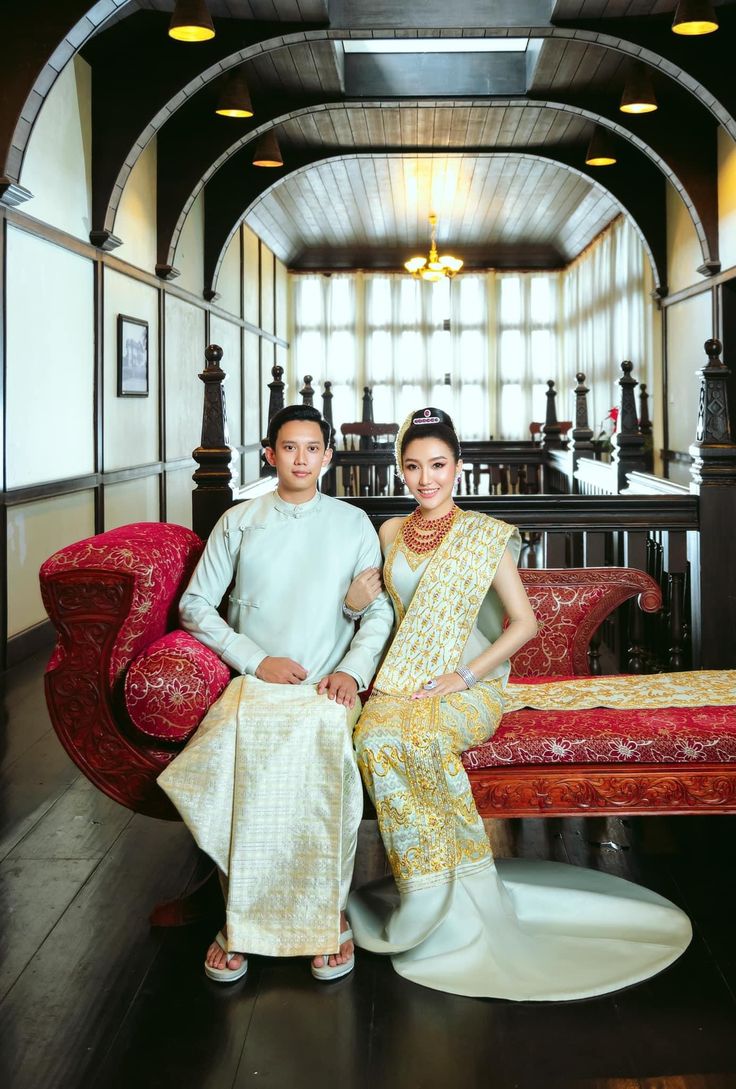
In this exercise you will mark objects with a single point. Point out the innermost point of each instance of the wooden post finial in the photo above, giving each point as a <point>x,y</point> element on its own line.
<point>306,392</point>
<point>551,432</point>
<point>581,444</point>
<point>367,405</point>
<point>627,443</point>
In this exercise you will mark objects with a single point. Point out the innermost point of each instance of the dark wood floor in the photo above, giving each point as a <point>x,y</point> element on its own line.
<point>91,997</point>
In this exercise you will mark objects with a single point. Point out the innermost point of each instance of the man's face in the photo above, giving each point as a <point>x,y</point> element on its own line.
<point>298,456</point>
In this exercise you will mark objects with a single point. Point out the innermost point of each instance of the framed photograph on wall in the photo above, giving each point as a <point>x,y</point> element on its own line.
<point>132,357</point>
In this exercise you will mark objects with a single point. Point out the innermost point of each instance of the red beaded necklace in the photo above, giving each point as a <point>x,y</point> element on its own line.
<point>424,535</point>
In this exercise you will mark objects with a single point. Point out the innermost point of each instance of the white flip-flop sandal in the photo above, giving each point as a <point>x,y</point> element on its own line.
<point>226,975</point>
<point>337,971</point>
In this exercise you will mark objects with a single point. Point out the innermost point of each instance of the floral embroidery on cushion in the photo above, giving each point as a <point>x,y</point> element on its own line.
<point>666,735</point>
<point>172,684</point>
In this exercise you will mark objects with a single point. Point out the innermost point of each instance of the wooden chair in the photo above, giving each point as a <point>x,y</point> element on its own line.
<point>373,479</point>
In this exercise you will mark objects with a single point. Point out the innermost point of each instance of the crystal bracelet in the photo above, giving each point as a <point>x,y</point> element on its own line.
<point>467,675</point>
<point>352,614</point>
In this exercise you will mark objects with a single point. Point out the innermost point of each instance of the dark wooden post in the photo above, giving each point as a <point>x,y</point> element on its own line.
<point>329,480</point>
<point>276,396</point>
<point>306,392</point>
<point>367,404</point>
<point>275,404</point>
<point>327,404</point>
<point>551,432</point>
<point>645,428</point>
<point>216,478</point>
<point>712,554</point>
<point>582,434</point>
<point>627,443</point>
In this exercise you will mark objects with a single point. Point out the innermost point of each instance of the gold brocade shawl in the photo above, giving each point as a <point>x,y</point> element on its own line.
<point>432,633</point>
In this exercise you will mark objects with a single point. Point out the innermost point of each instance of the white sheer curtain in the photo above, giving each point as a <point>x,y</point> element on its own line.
<point>608,315</point>
<point>482,346</point>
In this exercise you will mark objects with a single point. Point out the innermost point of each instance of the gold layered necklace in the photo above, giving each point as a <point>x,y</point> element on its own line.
<point>423,535</point>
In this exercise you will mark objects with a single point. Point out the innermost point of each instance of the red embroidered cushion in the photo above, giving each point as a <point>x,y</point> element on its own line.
<point>158,557</point>
<point>601,736</point>
<point>172,684</point>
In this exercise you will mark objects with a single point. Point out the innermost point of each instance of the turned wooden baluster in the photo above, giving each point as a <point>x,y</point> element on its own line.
<point>714,480</point>
<point>216,477</point>
<point>582,434</point>
<point>329,480</point>
<point>645,428</point>
<point>327,396</point>
<point>552,432</point>
<point>367,405</point>
<point>275,403</point>
<point>307,392</point>
<point>276,394</point>
<point>627,443</point>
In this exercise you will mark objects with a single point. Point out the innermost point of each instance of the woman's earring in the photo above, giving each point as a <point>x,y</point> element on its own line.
<point>458,481</point>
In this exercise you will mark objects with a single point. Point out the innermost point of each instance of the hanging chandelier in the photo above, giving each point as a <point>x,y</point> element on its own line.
<point>433,268</point>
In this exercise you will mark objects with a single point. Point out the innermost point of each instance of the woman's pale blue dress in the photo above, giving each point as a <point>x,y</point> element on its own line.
<point>515,928</point>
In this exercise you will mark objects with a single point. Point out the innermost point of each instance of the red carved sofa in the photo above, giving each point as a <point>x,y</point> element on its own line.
<point>125,689</point>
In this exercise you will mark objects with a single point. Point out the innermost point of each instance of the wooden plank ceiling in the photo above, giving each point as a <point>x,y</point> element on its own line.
<point>365,163</point>
<point>506,210</point>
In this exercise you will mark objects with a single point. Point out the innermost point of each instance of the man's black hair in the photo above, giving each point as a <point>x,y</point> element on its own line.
<point>298,412</point>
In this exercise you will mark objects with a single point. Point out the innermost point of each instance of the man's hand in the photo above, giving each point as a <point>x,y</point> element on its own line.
<point>340,687</point>
<point>364,589</point>
<point>281,671</point>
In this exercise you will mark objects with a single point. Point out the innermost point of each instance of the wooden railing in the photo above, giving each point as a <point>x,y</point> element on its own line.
<point>686,537</point>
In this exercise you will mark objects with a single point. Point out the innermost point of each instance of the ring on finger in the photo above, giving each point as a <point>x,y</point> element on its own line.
<point>429,685</point>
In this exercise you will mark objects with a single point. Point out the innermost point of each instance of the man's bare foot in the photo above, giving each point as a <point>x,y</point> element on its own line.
<point>218,958</point>
<point>346,949</point>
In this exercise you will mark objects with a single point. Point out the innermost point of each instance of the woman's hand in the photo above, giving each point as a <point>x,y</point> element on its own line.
<point>364,589</point>
<point>441,686</point>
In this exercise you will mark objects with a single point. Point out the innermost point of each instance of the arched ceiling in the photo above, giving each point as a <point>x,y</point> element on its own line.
<point>497,210</point>
<point>368,141</point>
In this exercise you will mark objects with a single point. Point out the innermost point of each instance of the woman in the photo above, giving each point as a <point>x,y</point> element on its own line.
<point>453,919</point>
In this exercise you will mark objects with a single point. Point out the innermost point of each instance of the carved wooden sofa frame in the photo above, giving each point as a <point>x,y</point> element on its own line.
<point>125,688</point>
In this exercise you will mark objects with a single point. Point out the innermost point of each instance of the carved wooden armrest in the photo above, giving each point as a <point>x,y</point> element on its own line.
<point>109,597</point>
<point>570,605</point>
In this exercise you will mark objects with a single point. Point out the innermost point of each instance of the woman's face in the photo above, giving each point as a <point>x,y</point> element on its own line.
<point>430,470</point>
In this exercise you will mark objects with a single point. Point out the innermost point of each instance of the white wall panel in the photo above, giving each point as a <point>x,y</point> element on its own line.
<point>184,392</point>
<point>689,325</point>
<point>189,257</point>
<point>58,162</point>
<point>130,423</point>
<point>135,222</point>
<point>282,301</point>
<point>251,310</point>
<point>252,389</point>
<point>35,531</point>
<point>179,487</point>
<point>228,337</point>
<point>268,315</point>
<point>132,501</point>
<point>228,282</point>
<point>50,353</point>
<point>684,255</point>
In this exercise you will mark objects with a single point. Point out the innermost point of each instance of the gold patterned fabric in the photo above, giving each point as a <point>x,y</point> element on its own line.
<point>260,747</point>
<point>409,750</point>
<point>698,688</point>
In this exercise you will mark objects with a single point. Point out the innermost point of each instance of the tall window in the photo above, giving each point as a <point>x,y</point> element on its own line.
<point>526,329</point>
<point>483,346</point>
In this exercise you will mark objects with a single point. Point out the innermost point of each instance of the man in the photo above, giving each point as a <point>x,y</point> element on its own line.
<point>268,785</point>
